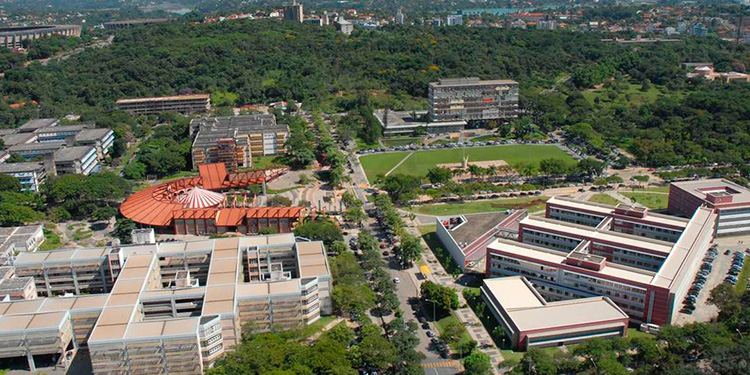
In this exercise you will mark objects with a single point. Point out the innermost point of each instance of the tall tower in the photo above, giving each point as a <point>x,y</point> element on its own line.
<point>399,17</point>
<point>294,12</point>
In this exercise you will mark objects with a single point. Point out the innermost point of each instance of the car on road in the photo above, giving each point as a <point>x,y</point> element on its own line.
<point>727,252</point>
<point>426,325</point>
<point>382,246</point>
<point>385,253</point>
<point>396,280</point>
<point>430,333</point>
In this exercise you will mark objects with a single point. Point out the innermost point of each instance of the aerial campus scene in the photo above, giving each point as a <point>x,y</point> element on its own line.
<point>374,187</point>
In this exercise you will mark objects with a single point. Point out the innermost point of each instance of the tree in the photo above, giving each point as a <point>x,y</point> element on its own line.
<point>353,213</point>
<point>15,158</point>
<point>477,363</point>
<point>439,175</point>
<point>320,230</point>
<point>123,230</point>
<point>504,129</point>
<point>410,249</point>
<point>590,167</point>
<point>444,298</point>
<point>9,183</point>
<point>279,201</point>
<point>641,178</point>
<point>553,167</point>
<point>13,215</point>
<point>375,352</point>
<point>401,188</point>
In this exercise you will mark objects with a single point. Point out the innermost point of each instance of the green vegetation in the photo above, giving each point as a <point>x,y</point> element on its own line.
<point>81,234</point>
<point>453,331</point>
<point>533,204</point>
<point>380,164</point>
<point>268,161</point>
<point>401,141</point>
<point>51,239</point>
<point>433,242</point>
<point>421,161</point>
<point>627,94</point>
<point>742,279</point>
<point>655,201</point>
<point>604,199</point>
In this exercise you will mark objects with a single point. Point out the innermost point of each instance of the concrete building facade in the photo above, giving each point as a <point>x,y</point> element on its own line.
<point>729,200</point>
<point>185,104</point>
<point>13,36</point>
<point>647,278</point>
<point>471,99</point>
<point>173,307</point>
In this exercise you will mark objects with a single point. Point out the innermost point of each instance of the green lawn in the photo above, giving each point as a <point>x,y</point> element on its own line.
<point>634,333</point>
<point>533,204</point>
<point>654,201</point>
<point>463,337</point>
<point>51,240</point>
<point>284,190</point>
<point>378,164</point>
<point>419,163</point>
<point>742,278</point>
<point>401,141</point>
<point>637,96</point>
<point>604,199</point>
<point>654,189</point>
<point>263,162</point>
<point>362,145</point>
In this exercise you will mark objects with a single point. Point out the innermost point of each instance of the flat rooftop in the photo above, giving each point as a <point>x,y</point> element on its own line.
<point>607,210</point>
<point>21,167</point>
<point>557,258</point>
<point>71,154</point>
<point>471,81</point>
<point>165,98</point>
<point>564,228</point>
<point>42,146</point>
<point>92,134</point>
<point>34,125</point>
<point>700,188</point>
<point>18,139</point>
<point>406,120</point>
<point>529,311</point>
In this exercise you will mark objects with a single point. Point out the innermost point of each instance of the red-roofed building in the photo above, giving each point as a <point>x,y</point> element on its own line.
<point>194,205</point>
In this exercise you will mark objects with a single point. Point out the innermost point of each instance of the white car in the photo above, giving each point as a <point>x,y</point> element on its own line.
<point>396,280</point>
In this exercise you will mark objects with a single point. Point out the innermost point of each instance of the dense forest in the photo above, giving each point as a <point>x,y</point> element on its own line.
<point>259,61</point>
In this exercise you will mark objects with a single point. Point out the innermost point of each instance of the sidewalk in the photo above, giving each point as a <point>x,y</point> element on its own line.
<point>465,315</point>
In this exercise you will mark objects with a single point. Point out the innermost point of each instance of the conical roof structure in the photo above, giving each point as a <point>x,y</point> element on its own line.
<point>200,198</point>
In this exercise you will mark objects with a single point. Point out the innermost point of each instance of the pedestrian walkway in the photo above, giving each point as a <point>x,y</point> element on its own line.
<point>444,364</point>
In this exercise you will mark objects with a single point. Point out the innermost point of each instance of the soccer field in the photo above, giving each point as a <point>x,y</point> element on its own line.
<point>421,161</point>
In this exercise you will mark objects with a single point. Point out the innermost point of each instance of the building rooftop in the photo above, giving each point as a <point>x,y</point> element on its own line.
<point>61,128</point>
<point>212,129</point>
<point>529,311</point>
<point>71,154</point>
<point>20,167</point>
<point>470,81</point>
<point>18,139</point>
<point>165,98</point>
<point>88,135</point>
<point>607,210</point>
<point>34,125</point>
<point>701,188</point>
<point>406,120</point>
<point>43,146</point>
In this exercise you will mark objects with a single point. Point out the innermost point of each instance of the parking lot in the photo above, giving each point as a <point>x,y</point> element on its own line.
<point>704,311</point>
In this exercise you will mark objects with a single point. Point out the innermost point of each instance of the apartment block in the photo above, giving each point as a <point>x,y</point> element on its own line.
<point>236,140</point>
<point>76,160</point>
<point>729,200</point>
<point>472,99</point>
<point>645,277</point>
<point>14,36</point>
<point>31,175</point>
<point>172,307</point>
<point>185,104</point>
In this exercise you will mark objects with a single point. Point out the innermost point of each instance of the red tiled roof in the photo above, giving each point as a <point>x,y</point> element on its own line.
<point>213,175</point>
<point>159,205</point>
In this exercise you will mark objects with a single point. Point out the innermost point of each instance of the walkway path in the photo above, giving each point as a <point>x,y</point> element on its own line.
<point>399,163</point>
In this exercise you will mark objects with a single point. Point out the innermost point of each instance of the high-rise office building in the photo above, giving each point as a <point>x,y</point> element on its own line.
<point>293,12</point>
<point>454,20</point>
<point>399,17</point>
<point>471,99</point>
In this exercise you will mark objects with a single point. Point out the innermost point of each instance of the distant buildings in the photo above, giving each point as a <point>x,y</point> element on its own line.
<point>532,322</point>
<point>64,149</point>
<point>19,239</point>
<point>706,70</point>
<point>294,12</point>
<point>235,140</point>
<point>399,17</point>
<point>12,36</point>
<point>546,25</point>
<point>344,26</point>
<point>454,20</point>
<point>471,99</point>
<point>185,104</point>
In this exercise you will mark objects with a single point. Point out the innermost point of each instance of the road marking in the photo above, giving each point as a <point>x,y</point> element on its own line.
<point>444,364</point>
<point>425,270</point>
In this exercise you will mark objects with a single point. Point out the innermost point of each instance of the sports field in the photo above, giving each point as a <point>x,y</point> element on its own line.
<point>421,161</point>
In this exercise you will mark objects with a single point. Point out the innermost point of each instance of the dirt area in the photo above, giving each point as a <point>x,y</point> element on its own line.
<point>77,234</point>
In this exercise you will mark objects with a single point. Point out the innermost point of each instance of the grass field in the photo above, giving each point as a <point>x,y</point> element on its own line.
<point>742,278</point>
<point>452,319</point>
<point>400,141</point>
<point>419,163</point>
<point>604,199</point>
<point>429,235</point>
<point>654,201</point>
<point>633,91</point>
<point>533,204</point>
